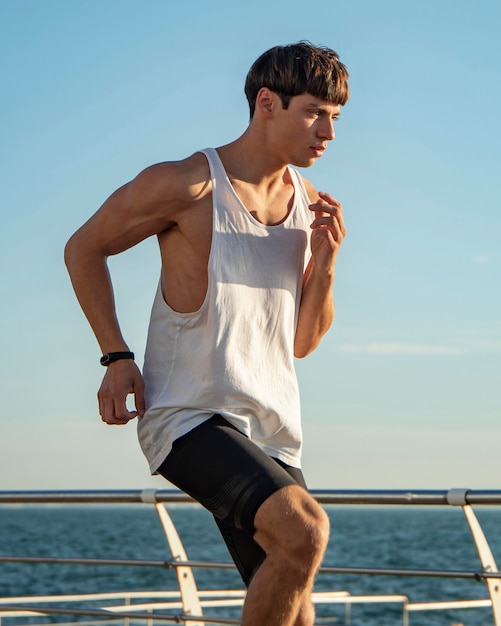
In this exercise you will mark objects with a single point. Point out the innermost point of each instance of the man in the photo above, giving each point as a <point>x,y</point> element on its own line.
<point>248,250</point>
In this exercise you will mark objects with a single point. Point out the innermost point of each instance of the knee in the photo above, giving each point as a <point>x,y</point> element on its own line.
<point>293,524</point>
<point>309,534</point>
<point>306,615</point>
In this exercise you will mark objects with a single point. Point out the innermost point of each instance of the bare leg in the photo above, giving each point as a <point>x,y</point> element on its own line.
<point>292,528</point>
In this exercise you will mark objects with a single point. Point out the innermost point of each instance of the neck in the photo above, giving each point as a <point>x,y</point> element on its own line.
<point>250,158</point>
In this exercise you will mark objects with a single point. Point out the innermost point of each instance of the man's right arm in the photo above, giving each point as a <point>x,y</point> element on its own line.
<point>146,206</point>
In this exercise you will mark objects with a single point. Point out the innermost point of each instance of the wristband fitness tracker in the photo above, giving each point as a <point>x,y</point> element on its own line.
<point>106,359</point>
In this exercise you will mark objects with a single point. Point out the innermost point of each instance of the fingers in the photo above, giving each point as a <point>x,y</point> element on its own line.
<point>327,198</point>
<point>122,413</point>
<point>115,412</point>
<point>113,409</point>
<point>139,401</point>
<point>121,379</point>
<point>329,214</point>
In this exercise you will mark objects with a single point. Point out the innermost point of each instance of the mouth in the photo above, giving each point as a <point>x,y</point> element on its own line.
<point>317,150</point>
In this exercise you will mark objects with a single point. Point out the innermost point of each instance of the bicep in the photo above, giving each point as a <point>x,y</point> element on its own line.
<point>143,207</point>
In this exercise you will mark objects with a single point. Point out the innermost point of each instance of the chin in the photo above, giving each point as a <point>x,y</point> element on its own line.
<point>303,162</point>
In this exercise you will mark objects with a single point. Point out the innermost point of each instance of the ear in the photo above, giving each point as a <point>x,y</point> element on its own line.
<point>266,102</point>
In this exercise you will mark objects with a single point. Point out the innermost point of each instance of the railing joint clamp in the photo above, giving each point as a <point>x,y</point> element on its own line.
<point>457,496</point>
<point>149,496</point>
<point>480,575</point>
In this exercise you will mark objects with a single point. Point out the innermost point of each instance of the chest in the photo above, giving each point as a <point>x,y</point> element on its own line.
<point>269,207</point>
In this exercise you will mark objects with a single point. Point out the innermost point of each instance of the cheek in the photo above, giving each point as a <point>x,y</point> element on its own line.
<point>303,127</point>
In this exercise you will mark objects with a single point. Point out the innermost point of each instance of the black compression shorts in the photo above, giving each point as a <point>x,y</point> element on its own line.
<point>231,477</point>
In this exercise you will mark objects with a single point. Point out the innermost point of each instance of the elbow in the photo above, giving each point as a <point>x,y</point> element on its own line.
<point>301,354</point>
<point>72,252</point>
<point>303,349</point>
<point>80,253</point>
<point>306,343</point>
<point>69,252</point>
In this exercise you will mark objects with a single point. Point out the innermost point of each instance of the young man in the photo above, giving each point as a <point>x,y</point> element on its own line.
<point>248,250</point>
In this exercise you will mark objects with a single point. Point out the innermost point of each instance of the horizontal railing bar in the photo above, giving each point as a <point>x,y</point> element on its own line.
<point>172,496</point>
<point>95,497</point>
<point>169,595</point>
<point>84,561</point>
<point>171,564</point>
<point>404,497</point>
<point>178,619</point>
<point>381,571</point>
<point>449,604</point>
<point>201,564</point>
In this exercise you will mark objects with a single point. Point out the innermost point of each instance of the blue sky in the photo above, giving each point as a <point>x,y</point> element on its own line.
<point>404,392</point>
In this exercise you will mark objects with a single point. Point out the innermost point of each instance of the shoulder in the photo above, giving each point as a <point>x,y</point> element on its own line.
<point>182,182</point>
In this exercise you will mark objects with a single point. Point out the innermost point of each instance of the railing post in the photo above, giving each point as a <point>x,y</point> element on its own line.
<point>487,561</point>
<point>185,578</point>
<point>458,497</point>
<point>405,614</point>
<point>127,603</point>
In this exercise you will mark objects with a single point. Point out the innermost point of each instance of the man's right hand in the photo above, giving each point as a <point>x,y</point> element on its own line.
<point>121,379</point>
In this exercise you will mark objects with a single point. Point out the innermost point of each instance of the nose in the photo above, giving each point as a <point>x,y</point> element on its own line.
<point>326,130</point>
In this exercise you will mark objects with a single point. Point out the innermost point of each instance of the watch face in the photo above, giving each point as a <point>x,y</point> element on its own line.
<point>105,359</point>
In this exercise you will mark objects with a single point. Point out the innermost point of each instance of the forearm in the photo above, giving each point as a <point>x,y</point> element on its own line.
<point>316,312</point>
<point>88,269</point>
<point>91,281</point>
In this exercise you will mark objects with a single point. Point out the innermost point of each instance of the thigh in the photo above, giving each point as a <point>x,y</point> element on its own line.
<point>231,477</point>
<point>246,553</point>
<point>226,472</point>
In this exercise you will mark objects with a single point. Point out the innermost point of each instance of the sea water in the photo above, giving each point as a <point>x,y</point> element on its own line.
<point>372,537</point>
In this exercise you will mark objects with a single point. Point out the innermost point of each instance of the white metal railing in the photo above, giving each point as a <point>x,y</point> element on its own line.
<point>187,605</point>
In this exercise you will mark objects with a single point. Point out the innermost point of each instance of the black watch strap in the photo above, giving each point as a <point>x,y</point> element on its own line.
<point>106,359</point>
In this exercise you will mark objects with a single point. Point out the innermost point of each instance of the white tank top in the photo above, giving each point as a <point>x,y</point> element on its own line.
<point>234,356</point>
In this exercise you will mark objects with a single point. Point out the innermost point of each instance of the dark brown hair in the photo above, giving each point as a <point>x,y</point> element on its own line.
<point>296,69</point>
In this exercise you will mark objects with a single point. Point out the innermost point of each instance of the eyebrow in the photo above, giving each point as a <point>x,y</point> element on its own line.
<point>323,108</point>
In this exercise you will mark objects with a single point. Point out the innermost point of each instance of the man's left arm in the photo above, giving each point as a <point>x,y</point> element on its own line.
<point>316,312</point>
